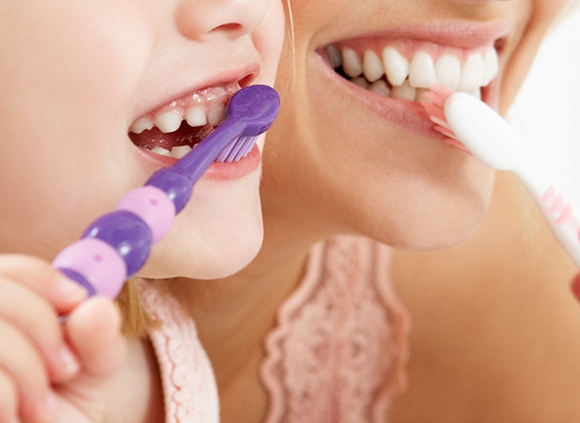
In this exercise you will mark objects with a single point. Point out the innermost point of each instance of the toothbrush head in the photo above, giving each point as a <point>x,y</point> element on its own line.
<point>434,104</point>
<point>255,108</point>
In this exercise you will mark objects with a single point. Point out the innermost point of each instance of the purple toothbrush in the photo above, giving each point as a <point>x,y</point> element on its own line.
<point>116,245</point>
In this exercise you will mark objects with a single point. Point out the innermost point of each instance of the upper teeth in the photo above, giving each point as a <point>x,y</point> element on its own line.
<point>200,109</point>
<point>169,120</point>
<point>408,76</point>
<point>197,109</point>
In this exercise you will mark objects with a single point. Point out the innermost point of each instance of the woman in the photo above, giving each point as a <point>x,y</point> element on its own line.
<point>345,159</point>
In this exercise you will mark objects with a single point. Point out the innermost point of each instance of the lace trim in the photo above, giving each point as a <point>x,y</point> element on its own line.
<point>189,384</point>
<point>339,350</point>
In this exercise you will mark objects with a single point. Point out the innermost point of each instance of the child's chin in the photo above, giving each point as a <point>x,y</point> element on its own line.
<point>217,234</point>
<point>228,260</point>
<point>214,258</point>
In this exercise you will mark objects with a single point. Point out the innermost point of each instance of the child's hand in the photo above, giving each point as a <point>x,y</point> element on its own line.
<point>52,371</point>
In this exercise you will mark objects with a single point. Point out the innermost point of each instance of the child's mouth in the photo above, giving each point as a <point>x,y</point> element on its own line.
<point>405,69</point>
<point>174,129</point>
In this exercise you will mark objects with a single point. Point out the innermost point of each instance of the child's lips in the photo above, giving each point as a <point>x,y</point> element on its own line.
<point>217,171</point>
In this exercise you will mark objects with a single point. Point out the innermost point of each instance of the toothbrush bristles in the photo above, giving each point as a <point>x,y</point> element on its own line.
<point>434,104</point>
<point>445,131</point>
<point>237,149</point>
<point>434,111</point>
<point>440,93</point>
<point>248,145</point>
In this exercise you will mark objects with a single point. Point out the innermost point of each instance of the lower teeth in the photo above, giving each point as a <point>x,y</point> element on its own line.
<point>403,92</point>
<point>177,152</point>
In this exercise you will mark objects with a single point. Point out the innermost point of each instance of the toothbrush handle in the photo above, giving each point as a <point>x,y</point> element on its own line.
<point>564,225</point>
<point>115,246</point>
<point>558,213</point>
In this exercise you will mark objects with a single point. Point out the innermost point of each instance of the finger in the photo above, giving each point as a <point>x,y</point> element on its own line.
<point>39,276</point>
<point>8,399</point>
<point>20,362</point>
<point>93,330</point>
<point>39,322</point>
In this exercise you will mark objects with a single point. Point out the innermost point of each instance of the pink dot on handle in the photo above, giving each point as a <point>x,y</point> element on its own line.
<point>98,262</point>
<point>153,206</point>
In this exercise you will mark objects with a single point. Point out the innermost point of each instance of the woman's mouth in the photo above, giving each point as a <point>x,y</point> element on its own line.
<point>174,129</point>
<point>405,69</point>
<point>388,72</point>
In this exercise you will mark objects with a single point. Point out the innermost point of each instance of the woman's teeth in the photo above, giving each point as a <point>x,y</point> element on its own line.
<point>393,75</point>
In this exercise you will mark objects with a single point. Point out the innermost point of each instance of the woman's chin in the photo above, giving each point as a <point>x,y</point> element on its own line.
<point>438,229</point>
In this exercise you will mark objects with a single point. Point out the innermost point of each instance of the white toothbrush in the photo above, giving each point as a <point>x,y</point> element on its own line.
<point>487,136</point>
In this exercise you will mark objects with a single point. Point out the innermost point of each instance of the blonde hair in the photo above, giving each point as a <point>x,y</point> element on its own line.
<point>135,319</point>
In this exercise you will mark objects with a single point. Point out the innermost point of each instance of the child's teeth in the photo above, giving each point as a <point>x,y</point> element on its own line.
<point>372,66</point>
<point>168,121</point>
<point>195,117</point>
<point>162,151</point>
<point>141,125</point>
<point>351,63</point>
<point>472,73</point>
<point>405,91</point>
<point>180,151</point>
<point>216,114</point>
<point>396,66</point>
<point>448,71</point>
<point>491,65</point>
<point>422,71</point>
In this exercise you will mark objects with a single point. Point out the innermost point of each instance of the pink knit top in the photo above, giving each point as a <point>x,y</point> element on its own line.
<point>337,354</point>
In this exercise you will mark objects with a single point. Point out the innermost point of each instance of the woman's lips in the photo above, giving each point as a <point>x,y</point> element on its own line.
<point>467,35</point>
<point>217,171</point>
<point>462,44</point>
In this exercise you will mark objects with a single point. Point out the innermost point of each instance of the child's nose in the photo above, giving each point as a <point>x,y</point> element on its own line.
<point>196,18</point>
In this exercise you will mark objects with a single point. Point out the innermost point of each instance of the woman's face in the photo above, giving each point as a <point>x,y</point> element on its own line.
<point>79,77</point>
<point>352,145</point>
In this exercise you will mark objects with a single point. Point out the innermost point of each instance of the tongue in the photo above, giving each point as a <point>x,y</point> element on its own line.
<point>185,135</point>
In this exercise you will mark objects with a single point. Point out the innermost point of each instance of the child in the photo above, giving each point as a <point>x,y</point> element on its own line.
<point>92,95</point>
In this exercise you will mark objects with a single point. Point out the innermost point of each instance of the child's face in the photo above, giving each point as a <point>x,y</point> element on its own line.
<point>75,76</point>
<point>364,157</point>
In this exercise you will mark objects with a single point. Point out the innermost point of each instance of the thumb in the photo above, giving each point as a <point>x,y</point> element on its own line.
<point>93,332</point>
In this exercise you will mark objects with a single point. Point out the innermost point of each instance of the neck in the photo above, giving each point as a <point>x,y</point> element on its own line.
<point>234,314</point>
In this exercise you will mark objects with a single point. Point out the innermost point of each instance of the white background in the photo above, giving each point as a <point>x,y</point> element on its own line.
<point>548,107</point>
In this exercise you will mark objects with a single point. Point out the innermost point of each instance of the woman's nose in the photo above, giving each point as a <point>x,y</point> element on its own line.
<point>198,18</point>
